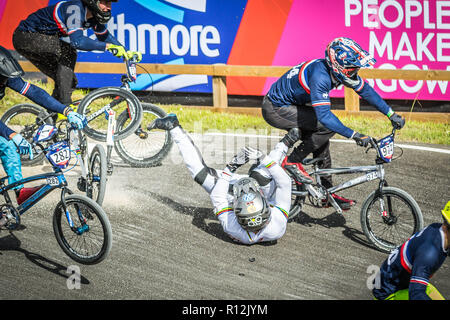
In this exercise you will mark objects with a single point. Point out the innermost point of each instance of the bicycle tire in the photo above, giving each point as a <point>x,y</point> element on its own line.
<point>97,128</point>
<point>153,156</point>
<point>94,213</point>
<point>389,221</point>
<point>27,130</point>
<point>98,175</point>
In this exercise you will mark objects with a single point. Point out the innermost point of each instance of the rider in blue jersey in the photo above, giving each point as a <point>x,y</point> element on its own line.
<point>51,36</point>
<point>10,141</point>
<point>406,273</point>
<point>300,99</point>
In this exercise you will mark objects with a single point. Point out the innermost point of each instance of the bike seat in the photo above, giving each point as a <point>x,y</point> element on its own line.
<point>311,161</point>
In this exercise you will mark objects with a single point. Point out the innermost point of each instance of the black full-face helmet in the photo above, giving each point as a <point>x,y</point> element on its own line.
<point>9,67</point>
<point>99,15</point>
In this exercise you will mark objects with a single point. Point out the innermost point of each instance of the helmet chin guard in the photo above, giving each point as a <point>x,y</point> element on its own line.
<point>94,6</point>
<point>9,67</point>
<point>250,206</point>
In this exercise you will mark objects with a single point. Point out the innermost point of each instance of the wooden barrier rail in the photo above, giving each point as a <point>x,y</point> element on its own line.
<point>220,72</point>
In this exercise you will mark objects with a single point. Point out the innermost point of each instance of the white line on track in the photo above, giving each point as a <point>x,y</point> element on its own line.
<point>406,146</point>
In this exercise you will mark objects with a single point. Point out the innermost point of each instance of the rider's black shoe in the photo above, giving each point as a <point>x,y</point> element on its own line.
<point>167,123</point>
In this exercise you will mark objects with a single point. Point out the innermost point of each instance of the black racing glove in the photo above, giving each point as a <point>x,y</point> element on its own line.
<point>397,121</point>
<point>361,140</point>
<point>243,156</point>
<point>291,137</point>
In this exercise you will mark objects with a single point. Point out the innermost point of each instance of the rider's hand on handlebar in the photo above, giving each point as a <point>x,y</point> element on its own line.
<point>23,146</point>
<point>130,54</point>
<point>397,121</point>
<point>118,51</point>
<point>361,140</point>
<point>77,120</point>
<point>243,156</point>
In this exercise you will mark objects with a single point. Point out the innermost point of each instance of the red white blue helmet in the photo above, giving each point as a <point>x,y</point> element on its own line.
<point>345,57</point>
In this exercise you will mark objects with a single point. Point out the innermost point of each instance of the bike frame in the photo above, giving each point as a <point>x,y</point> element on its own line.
<point>111,114</point>
<point>370,173</point>
<point>55,180</point>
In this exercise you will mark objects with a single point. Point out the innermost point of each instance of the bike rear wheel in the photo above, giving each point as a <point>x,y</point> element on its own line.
<point>389,218</point>
<point>119,100</point>
<point>25,119</point>
<point>89,241</point>
<point>96,187</point>
<point>144,148</point>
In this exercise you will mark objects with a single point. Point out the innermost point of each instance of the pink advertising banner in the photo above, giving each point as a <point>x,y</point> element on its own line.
<point>402,34</point>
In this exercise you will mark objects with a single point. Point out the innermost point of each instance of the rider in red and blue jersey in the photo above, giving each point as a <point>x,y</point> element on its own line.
<point>300,99</point>
<point>51,36</point>
<point>406,273</point>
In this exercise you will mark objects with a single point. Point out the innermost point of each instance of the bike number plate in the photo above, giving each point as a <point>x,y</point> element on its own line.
<point>59,155</point>
<point>53,181</point>
<point>386,146</point>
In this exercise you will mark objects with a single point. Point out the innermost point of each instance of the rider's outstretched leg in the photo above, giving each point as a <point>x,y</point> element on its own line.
<point>200,172</point>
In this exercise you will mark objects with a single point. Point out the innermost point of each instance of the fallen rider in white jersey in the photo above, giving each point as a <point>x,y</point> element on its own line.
<point>251,213</point>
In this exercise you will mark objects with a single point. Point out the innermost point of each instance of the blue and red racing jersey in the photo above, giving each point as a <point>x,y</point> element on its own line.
<point>413,264</point>
<point>311,81</point>
<point>68,19</point>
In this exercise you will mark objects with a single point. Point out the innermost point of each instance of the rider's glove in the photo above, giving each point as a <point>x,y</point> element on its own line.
<point>77,120</point>
<point>291,137</point>
<point>131,54</point>
<point>397,121</point>
<point>243,156</point>
<point>118,51</point>
<point>23,146</point>
<point>361,140</point>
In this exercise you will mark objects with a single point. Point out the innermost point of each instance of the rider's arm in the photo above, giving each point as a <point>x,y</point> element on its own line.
<point>322,106</point>
<point>366,92</point>
<point>283,184</point>
<point>5,131</point>
<point>421,272</point>
<point>37,95</point>
<point>102,34</point>
<point>224,211</point>
<point>80,42</point>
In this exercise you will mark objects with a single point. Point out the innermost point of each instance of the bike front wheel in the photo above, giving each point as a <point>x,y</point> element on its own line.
<point>144,148</point>
<point>95,107</point>
<point>82,231</point>
<point>389,218</point>
<point>98,171</point>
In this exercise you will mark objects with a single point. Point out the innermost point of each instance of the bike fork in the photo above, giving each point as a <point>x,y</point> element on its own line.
<point>78,230</point>
<point>111,114</point>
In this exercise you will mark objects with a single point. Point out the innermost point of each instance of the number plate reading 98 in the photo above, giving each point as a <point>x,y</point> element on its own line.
<point>61,156</point>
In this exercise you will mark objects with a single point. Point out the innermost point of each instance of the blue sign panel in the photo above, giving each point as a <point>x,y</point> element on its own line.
<point>172,32</point>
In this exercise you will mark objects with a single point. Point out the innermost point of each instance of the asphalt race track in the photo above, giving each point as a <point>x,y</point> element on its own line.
<point>169,245</point>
